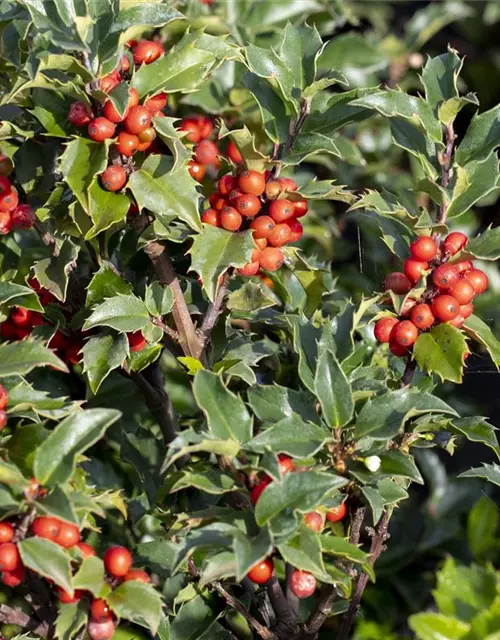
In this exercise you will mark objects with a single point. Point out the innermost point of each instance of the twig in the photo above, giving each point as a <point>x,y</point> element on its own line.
<point>260,629</point>
<point>47,238</point>
<point>188,338</point>
<point>409,372</point>
<point>312,627</point>
<point>10,615</point>
<point>445,161</point>
<point>380,536</point>
<point>287,618</point>
<point>305,110</point>
<point>214,310</point>
<point>171,333</point>
<point>25,524</point>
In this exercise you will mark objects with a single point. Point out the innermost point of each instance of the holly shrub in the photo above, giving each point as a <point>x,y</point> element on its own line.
<point>235,275</point>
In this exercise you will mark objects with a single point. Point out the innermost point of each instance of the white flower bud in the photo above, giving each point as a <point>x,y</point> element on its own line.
<point>372,463</point>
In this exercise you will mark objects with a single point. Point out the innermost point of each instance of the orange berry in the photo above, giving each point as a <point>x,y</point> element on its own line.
<point>156,103</point>
<point>463,291</point>
<point>414,269</point>
<point>86,549</point>
<point>234,153</point>
<point>445,276</point>
<point>138,119</point>
<point>423,249</point>
<point>422,316</point>
<point>455,242</point>
<point>247,204</point>
<point>230,219</point>
<point>271,258</point>
<point>296,228</point>
<point>281,210</point>
<point>46,527</point>
<point>226,184</point>
<point>280,235</point>
<point>147,51</point>
<point>445,307</point>
<point>127,144</point>
<point>261,572</point>
<point>9,557</point>
<point>138,575</point>
<point>101,129</point>
<point>100,610</point>
<point>6,532</point>
<point>404,333</point>
<point>211,216</point>
<point>196,170</point>
<point>337,513</point>
<point>478,279</point>
<point>113,178</point>
<point>315,521</point>
<point>252,182</point>
<point>68,535</point>
<point>118,561</point>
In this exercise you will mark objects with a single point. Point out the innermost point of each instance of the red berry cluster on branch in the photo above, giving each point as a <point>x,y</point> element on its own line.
<point>251,200</point>
<point>451,289</point>
<point>132,129</point>
<point>12,214</point>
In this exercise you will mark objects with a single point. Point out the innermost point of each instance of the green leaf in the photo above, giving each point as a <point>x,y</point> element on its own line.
<point>249,551</point>
<point>167,193</point>
<point>106,283</point>
<point>70,619</point>
<point>449,110</point>
<point>209,480</point>
<point>299,50</point>
<point>101,355</point>
<point>123,313</point>
<point>159,299</point>
<point>267,64</point>
<point>387,492</point>
<point>442,351</point>
<point>383,416</point>
<point>275,113</point>
<point>396,103</point>
<point>436,626</point>
<point>439,77</point>
<point>354,55</point>
<point>336,546</point>
<point>105,208</point>
<point>226,413</point>
<point>392,464</point>
<point>250,297</point>
<point>148,14</point>
<point>480,331</point>
<point>58,505</point>
<point>55,460</point>
<point>191,442</point>
<point>296,492</point>
<point>53,273</point>
<point>333,390</point>
<point>23,444</point>
<point>481,138</point>
<point>475,181</point>
<point>477,429</point>
<point>215,250</point>
<point>82,160</point>
<point>272,403</point>
<point>138,602</point>
<point>292,436</point>
<point>90,576</point>
<point>48,560</point>
<point>165,128</point>
<point>19,358</point>
<point>244,139</point>
<point>12,294</point>
<point>482,525</point>
<point>486,245</point>
<point>407,136</point>
<point>304,552</point>
<point>194,619</point>
<point>490,472</point>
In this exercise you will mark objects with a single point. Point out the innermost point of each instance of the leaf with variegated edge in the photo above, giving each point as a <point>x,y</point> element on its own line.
<point>442,351</point>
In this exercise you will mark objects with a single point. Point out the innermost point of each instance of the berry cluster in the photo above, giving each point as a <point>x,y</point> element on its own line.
<point>451,289</point>
<point>253,200</point>
<point>132,129</point>
<point>302,583</point>
<point>12,214</point>
<point>117,562</point>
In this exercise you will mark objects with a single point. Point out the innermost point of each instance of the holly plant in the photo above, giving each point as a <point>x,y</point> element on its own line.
<point>205,428</point>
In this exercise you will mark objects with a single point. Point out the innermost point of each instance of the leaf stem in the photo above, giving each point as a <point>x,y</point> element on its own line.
<point>214,310</point>
<point>445,162</point>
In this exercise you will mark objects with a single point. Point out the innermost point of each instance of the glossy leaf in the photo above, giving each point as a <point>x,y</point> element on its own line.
<point>436,626</point>
<point>12,294</point>
<point>486,245</point>
<point>292,436</point>
<point>490,472</point>
<point>159,299</point>
<point>101,355</point>
<point>138,602</point>
<point>272,403</point>
<point>90,576</point>
<point>48,560</point>
<point>19,358</point>
<point>333,390</point>
<point>250,297</point>
<point>475,181</point>
<point>439,77</point>
<point>80,163</point>
<point>481,138</point>
<point>480,331</point>
<point>53,273</point>
<point>249,551</point>
<point>441,351</point>
<point>122,312</point>
<point>106,283</point>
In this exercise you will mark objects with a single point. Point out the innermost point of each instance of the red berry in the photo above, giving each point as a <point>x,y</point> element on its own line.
<point>252,182</point>
<point>113,178</point>
<point>6,532</point>
<point>445,307</point>
<point>138,575</point>
<point>9,557</point>
<point>444,276</point>
<point>302,583</point>
<point>464,265</point>
<point>109,82</point>
<point>300,208</point>
<point>9,201</point>
<point>46,527</point>
<point>230,219</point>
<point>205,126</point>
<point>5,184</point>
<point>101,129</point>
<point>66,598</point>
<point>262,227</point>
<point>68,535</point>
<point>138,119</point>
<point>211,216</point>
<point>478,279</point>
<point>73,353</point>
<point>414,269</point>
<point>250,269</point>
<point>100,611</point>
<point>207,152</point>
<point>191,126</point>
<point>462,291</point>
<point>14,578</point>
<point>397,349</point>
<point>286,464</point>
<point>101,630</point>
<point>226,184</point>
<point>407,306</point>
<point>6,166</point>
<point>260,243</point>
<point>80,114</point>
<point>280,235</point>
<point>136,341</point>
<point>271,258</point>
<point>455,242</point>
<point>156,103</point>
<point>196,170</point>
<point>423,249</point>
<point>383,328</point>
<point>234,153</point>
<point>259,488</point>
<point>127,143</point>
<point>422,317</point>
<point>281,210</point>
<point>466,310</point>
<point>457,321</point>
<point>118,561</point>
<point>404,333</point>
<point>337,513</point>
<point>315,521</point>
<point>247,204</point>
<point>287,184</point>
<point>273,189</point>
<point>147,52</point>
<point>23,217</point>
<point>86,549</point>
<point>296,228</point>
<point>112,114</point>
<point>397,282</point>
<point>261,572</point>
<point>5,222</point>
<point>4,397</point>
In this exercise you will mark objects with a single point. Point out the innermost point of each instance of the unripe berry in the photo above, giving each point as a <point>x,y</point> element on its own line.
<point>302,583</point>
<point>262,227</point>
<point>280,235</point>
<point>271,258</point>
<point>315,521</point>
<point>6,532</point>
<point>118,561</point>
<point>383,328</point>
<point>196,170</point>
<point>261,572</point>
<point>101,630</point>
<point>79,114</point>
<point>233,153</point>
<point>9,557</point>
<point>404,333</point>
<point>147,51</point>
<point>445,276</point>
<point>259,488</point>
<point>101,129</point>
<point>230,219</point>
<point>455,242</point>
<point>14,578</point>
<point>462,291</point>
<point>127,144</point>
<point>423,249</point>
<point>113,178</point>
<point>296,229</point>
<point>397,282</point>
<point>23,217</point>
<point>207,152</point>
<point>138,575</point>
<point>445,308</point>
<point>281,210</point>
<point>247,204</point>
<point>336,513</point>
<point>414,269</point>
<point>252,182</point>
<point>422,317</point>
<point>211,216</point>
<point>478,279</point>
<point>136,341</point>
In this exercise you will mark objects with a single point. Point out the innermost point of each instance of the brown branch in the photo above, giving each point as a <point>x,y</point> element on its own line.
<point>25,524</point>
<point>305,110</point>
<point>409,372</point>
<point>379,538</point>
<point>314,624</point>
<point>287,618</point>
<point>171,333</point>
<point>10,615</point>
<point>214,310</point>
<point>188,337</point>
<point>445,161</point>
